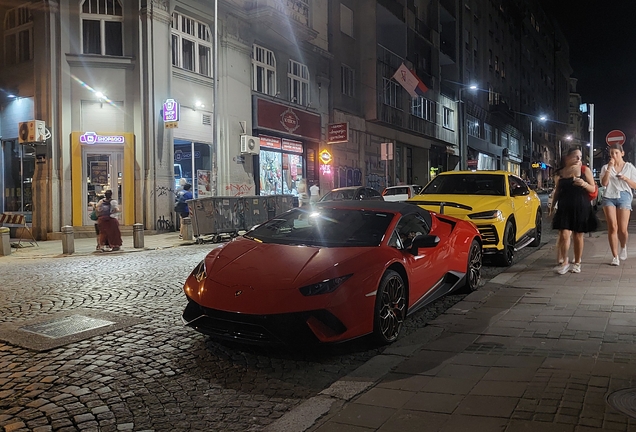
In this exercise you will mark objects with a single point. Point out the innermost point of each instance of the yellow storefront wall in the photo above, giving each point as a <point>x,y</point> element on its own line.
<point>128,177</point>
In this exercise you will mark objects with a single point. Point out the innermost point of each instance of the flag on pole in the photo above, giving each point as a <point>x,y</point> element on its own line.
<point>411,83</point>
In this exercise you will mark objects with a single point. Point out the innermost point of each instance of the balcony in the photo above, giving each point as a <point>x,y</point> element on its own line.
<point>273,14</point>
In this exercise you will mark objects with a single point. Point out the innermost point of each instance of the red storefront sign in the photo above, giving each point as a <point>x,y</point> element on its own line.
<point>292,146</point>
<point>337,133</point>
<point>282,118</point>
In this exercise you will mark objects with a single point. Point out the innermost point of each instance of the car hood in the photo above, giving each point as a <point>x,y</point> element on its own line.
<point>471,203</point>
<point>248,263</point>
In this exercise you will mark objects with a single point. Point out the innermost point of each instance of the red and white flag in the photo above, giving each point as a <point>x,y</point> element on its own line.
<point>411,83</point>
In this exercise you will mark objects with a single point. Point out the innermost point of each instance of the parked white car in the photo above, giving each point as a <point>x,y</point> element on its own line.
<point>401,193</point>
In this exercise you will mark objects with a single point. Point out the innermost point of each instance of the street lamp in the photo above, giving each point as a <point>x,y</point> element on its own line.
<point>463,130</point>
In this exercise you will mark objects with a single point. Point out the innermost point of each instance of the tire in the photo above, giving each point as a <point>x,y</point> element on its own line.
<point>538,227</point>
<point>390,308</point>
<point>473,268</point>
<point>507,255</point>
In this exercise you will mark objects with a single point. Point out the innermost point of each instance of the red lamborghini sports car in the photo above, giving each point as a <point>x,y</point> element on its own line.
<point>330,273</point>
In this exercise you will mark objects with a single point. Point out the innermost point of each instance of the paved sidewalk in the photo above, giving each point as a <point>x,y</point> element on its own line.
<point>86,246</point>
<point>530,351</point>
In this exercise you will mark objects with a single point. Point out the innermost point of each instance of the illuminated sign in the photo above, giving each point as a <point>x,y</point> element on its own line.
<point>325,157</point>
<point>170,110</point>
<point>541,165</point>
<point>93,138</point>
<point>325,169</point>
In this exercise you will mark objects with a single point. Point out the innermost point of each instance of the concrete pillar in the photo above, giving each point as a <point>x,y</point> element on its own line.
<point>138,236</point>
<point>5,245</point>
<point>68,240</point>
<point>187,228</point>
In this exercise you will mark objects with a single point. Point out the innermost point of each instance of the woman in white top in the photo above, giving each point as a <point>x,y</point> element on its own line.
<point>619,178</point>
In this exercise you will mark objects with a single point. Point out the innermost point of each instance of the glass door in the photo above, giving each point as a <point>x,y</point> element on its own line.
<point>103,170</point>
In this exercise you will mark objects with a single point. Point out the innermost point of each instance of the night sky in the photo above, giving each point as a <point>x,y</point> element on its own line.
<point>602,39</point>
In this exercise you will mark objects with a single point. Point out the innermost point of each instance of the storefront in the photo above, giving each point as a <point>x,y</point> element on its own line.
<point>18,163</point>
<point>193,162</point>
<point>100,162</point>
<point>288,146</point>
<point>481,161</point>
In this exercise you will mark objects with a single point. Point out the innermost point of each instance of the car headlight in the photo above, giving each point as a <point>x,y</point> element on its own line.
<point>199,271</point>
<point>490,214</point>
<point>323,287</point>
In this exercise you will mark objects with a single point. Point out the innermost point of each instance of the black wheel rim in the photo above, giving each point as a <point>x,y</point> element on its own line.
<point>393,304</point>
<point>538,227</point>
<point>474,266</point>
<point>510,244</point>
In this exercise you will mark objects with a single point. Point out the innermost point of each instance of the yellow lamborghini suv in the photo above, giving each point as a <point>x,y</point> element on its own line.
<point>506,212</point>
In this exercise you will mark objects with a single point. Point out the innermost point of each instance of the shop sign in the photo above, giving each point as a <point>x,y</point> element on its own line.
<point>282,118</point>
<point>541,165</point>
<point>170,113</point>
<point>325,157</point>
<point>181,155</point>
<point>337,133</point>
<point>93,138</point>
<point>270,142</point>
<point>472,162</point>
<point>292,146</point>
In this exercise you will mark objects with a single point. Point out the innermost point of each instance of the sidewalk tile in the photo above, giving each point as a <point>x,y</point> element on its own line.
<point>434,402</point>
<point>414,421</point>
<point>474,424</point>
<point>382,397</point>
<point>487,406</point>
<point>526,426</point>
<point>459,386</point>
<point>499,388</point>
<point>408,382</point>
<point>362,415</point>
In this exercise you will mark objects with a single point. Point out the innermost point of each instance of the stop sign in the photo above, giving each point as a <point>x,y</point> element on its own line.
<point>615,137</point>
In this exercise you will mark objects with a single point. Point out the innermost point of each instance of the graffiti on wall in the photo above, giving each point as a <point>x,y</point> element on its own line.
<point>347,176</point>
<point>164,191</point>
<point>239,189</point>
<point>376,181</point>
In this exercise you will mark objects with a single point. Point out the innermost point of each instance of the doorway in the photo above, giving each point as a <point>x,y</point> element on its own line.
<point>103,168</point>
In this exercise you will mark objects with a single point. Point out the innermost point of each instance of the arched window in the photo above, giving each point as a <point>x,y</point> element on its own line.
<point>191,46</point>
<point>102,27</point>
<point>18,35</point>
<point>263,70</point>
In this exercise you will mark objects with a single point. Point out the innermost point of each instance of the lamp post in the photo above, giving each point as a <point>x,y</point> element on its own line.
<point>463,131</point>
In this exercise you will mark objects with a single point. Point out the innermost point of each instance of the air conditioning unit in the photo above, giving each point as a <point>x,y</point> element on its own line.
<point>32,131</point>
<point>250,144</point>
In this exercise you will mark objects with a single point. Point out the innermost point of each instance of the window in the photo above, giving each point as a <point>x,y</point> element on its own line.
<point>346,20</point>
<point>488,133</point>
<point>298,81</point>
<point>447,119</point>
<point>263,70</point>
<point>191,45</point>
<point>503,70</point>
<point>515,148</point>
<point>18,35</point>
<point>19,167</point>
<point>102,27</point>
<point>392,93</point>
<point>347,76</point>
<point>504,140</point>
<point>423,108</point>
<point>473,126</point>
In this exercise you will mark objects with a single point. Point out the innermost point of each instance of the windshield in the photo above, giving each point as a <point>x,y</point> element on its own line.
<point>325,227</point>
<point>339,195</point>
<point>467,184</point>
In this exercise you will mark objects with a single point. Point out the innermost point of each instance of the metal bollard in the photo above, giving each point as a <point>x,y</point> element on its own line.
<point>68,240</point>
<point>138,236</point>
<point>187,228</point>
<point>5,247</point>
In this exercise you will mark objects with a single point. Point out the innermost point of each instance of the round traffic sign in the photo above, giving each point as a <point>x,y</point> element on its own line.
<point>615,137</point>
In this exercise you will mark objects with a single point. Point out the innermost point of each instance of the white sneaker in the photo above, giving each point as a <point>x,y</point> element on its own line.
<point>623,255</point>
<point>562,268</point>
<point>576,268</point>
<point>615,261</point>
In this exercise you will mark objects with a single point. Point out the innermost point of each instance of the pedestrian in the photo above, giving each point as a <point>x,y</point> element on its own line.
<point>303,196</point>
<point>574,213</point>
<point>314,193</point>
<point>107,210</point>
<point>181,206</point>
<point>94,217</point>
<point>619,178</point>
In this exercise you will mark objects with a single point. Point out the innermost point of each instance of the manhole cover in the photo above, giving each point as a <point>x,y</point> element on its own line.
<point>67,326</point>
<point>624,401</point>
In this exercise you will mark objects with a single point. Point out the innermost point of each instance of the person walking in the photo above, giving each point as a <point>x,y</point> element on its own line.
<point>107,210</point>
<point>314,193</point>
<point>574,213</point>
<point>619,178</point>
<point>181,206</point>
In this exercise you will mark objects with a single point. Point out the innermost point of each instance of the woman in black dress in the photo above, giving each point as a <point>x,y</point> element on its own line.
<point>574,213</point>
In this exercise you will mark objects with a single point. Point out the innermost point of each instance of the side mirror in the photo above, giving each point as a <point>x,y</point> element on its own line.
<point>423,241</point>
